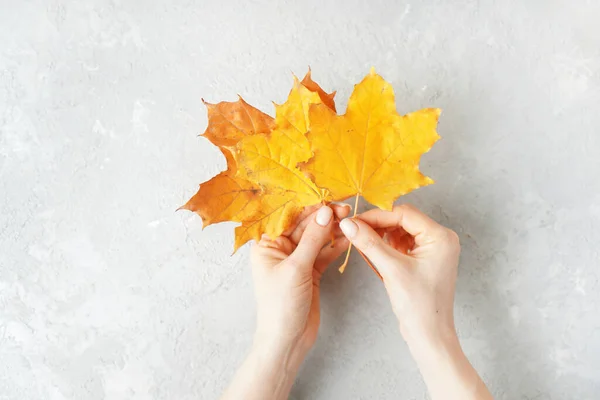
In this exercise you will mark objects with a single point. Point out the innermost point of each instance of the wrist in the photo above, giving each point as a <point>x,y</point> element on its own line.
<point>445,367</point>
<point>427,342</point>
<point>286,353</point>
<point>437,355</point>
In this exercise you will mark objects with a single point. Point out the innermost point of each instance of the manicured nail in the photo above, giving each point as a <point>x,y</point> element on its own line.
<point>338,203</point>
<point>349,228</point>
<point>324,216</point>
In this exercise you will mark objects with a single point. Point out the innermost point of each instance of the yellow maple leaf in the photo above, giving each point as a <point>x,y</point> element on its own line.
<point>291,122</point>
<point>370,151</point>
<point>274,214</point>
<point>271,160</point>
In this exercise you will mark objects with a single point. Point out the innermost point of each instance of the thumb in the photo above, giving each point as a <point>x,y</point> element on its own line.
<point>370,243</point>
<point>315,236</point>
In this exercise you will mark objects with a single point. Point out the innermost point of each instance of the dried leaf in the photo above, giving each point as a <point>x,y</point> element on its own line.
<point>370,151</point>
<point>271,160</point>
<point>276,212</point>
<point>225,197</point>
<point>308,155</point>
<point>229,122</point>
<point>326,98</point>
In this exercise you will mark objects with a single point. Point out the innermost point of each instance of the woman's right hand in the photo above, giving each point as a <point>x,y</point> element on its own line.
<point>418,259</point>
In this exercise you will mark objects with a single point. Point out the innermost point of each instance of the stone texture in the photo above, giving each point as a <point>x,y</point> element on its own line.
<point>107,293</point>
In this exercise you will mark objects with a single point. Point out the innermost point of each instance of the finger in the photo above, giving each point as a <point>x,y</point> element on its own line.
<point>403,216</point>
<point>339,210</point>
<point>301,220</point>
<point>330,253</point>
<point>368,241</point>
<point>315,236</point>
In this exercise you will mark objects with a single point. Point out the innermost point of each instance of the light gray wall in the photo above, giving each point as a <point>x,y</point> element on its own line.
<point>107,293</point>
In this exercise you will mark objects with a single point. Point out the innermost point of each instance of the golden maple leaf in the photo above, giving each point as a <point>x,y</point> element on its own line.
<point>271,160</point>
<point>371,151</point>
<point>261,205</point>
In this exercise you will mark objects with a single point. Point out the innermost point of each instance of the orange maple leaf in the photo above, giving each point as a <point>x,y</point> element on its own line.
<point>225,197</point>
<point>229,122</point>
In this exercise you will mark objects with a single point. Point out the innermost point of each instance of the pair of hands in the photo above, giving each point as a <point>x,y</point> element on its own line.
<point>416,257</point>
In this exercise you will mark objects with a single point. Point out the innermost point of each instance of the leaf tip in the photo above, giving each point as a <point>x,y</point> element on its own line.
<point>436,112</point>
<point>307,77</point>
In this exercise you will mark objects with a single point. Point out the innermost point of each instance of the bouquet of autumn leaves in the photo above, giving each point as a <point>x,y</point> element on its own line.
<point>308,154</point>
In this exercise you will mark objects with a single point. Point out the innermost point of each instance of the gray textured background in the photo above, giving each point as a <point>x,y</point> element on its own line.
<point>107,293</point>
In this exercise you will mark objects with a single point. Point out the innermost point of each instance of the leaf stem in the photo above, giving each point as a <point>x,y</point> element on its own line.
<point>345,264</point>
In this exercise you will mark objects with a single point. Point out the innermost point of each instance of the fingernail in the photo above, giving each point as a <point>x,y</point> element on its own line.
<point>342,204</point>
<point>324,216</point>
<point>349,228</point>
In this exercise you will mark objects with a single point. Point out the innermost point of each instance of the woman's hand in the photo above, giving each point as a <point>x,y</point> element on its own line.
<point>418,260</point>
<point>287,272</point>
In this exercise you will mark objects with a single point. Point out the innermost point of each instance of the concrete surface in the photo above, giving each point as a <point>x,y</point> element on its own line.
<point>107,293</point>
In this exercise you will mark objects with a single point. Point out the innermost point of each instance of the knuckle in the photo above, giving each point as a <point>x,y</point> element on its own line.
<point>370,243</point>
<point>405,208</point>
<point>451,238</point>
<point>292,263</point>
<point>316,238</point>
<point>312,239</point>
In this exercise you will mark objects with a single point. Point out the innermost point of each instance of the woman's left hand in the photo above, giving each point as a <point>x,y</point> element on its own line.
<point>287,272</point>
